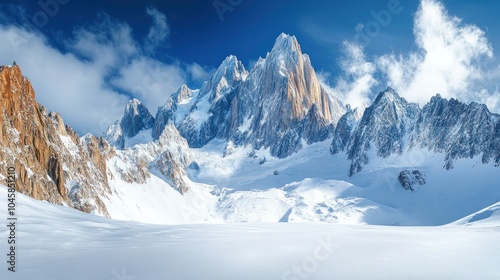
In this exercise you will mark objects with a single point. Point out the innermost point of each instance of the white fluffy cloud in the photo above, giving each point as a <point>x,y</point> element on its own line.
<point>150,81</point>
<point>354,86</point>
<point>101,67</point>
<point>447,60</point>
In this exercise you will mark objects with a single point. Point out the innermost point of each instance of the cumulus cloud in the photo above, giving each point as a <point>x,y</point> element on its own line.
<point>354,86</point>
<point>451,58</point>
<point>447,60</point>
<point>100,67</point>
<point>150,81</point>
<point>62,81</point>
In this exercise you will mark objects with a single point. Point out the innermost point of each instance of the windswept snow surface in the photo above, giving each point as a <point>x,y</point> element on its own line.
<point>58,243</point>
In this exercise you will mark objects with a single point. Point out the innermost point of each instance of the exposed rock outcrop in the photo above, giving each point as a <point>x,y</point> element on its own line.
<point>278,104</point>
<point>51,161</point>
<point>411,180</point>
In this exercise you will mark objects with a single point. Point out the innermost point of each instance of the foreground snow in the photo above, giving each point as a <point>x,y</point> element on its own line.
<point>60,243</point>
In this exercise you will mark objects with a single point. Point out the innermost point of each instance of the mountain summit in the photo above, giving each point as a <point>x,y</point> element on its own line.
<point>52,163</point>
<point>160,169</point>
<point>393,126</point>
<point>278,104</point>
<point>136,118</point>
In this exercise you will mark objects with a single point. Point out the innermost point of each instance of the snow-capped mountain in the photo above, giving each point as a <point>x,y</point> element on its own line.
<point>392,126</point>
<point>382,129</point>
<point>175,110</point>
<point>278,104</point>
<point>54,164</point>
<point>136,118</point>
<point>260,146</point>
<point>458,130</point>
<point>344,130</point>
<point>210,116</point>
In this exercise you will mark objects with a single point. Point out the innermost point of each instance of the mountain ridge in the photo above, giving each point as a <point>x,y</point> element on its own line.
<point>278,104</point>
<point>273,114</point>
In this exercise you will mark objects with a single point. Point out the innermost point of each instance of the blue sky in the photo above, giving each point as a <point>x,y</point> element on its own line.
<point>87,58</point>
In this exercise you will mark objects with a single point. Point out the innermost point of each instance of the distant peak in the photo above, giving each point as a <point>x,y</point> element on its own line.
<point>134,101</point>
<point>286,42</point>
<point>183,93</point>
<point>135,118</point>
<point>230,62</point>
<point>231,68</point>
<point>134,106</point>
<point>391,91</point>
<point>183,88</point>
<point>388,95</point>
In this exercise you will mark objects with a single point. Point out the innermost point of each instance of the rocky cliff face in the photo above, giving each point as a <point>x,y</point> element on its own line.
<point>289,104</point>
<point>136,118</point>
<point>211,116</point>
<point>344,130</point>
<point>278,104</point>
<point>411,180</point>
<point>392,126</point>
<point>382,129</point>
<point>51,161</point>
<point>458,130</point>
<point>174,111</point>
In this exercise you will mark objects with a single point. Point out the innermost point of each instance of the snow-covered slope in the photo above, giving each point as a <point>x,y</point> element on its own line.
<point>487,217</point>
<point>313,185</point>
<point>58,243</point>
<point>278,104</point>
<point>254,147</point>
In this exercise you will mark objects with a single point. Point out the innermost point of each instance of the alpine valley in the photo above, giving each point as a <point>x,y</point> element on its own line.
<point>264,145</point>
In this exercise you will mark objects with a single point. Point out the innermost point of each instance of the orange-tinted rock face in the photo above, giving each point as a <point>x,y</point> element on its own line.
<point>51,162</point>
<point>24,141</point>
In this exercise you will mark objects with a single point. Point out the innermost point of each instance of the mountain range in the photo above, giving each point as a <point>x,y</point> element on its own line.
<point>223,152</point>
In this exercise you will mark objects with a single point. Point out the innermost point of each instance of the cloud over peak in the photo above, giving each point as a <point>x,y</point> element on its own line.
<point>450,59</point>
<point>447,60</point>
<point>98,68</point>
